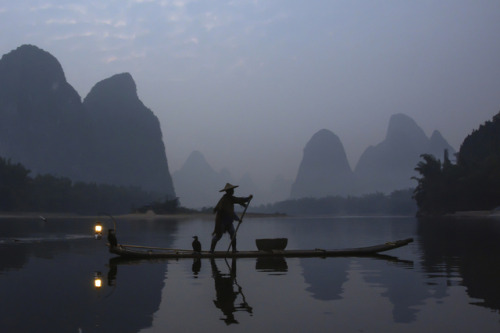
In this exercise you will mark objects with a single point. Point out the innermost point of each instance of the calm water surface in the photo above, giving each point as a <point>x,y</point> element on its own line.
<point>446,281</point>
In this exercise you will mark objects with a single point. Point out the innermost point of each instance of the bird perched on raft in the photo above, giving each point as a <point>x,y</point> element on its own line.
<point>113,242</point>
<point>196,244</point>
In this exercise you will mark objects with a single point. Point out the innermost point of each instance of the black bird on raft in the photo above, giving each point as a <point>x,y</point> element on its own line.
<point>113,242</point>
<point>196,244</point>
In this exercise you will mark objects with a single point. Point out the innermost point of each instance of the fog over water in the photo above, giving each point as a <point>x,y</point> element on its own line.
<point>247,83</point>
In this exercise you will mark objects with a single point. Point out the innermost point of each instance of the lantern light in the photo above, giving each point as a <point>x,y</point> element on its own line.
<point>98,230</point>
<point>97,280</point>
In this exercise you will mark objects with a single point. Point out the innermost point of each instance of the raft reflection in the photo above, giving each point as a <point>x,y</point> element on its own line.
<point>229,296</point>
<point>271,265</point>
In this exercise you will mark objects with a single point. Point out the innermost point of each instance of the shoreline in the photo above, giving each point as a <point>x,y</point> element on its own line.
<point>474,213</point>
<point>148,215</point>
<point>208,216</point>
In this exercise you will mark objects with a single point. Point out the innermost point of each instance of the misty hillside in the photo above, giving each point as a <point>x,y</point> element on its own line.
<point>197,183</point>
<point>111,138</point>
<point>127,136</point>
<point>385,167</point>
<point>324,169</point>
<point>390,165</point>
<point>42,120</point>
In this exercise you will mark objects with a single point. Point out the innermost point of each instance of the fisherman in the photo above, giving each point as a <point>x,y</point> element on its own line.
<point>225,215</point>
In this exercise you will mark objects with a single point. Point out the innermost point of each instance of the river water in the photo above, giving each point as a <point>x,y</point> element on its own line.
<point>447,280</point>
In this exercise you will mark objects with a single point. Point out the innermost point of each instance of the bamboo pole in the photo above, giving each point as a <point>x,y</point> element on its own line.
<point>241,220</point>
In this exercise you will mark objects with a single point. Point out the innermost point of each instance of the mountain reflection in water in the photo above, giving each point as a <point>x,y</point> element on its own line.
<point>446,280</point>
<point>464,250</point>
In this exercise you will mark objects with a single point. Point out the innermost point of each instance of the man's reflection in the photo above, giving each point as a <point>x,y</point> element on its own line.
<point>225,293</point>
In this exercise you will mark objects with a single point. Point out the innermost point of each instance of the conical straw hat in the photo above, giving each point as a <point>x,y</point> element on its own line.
<point>228,187</point>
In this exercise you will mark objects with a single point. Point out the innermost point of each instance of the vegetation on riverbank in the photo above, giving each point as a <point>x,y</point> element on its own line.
<point>19,192</point>
<point>470,184</point>
<point>396,203</point>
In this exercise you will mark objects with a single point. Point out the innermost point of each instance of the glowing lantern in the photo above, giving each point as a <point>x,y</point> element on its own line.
<point>98,230</point>
<point>97,280</point>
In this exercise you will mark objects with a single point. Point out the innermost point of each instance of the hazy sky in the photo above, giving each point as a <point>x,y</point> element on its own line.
<point>248,82</point>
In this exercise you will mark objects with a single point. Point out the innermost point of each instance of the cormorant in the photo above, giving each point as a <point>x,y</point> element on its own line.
<point>196,244</point>
<point>113,242</point>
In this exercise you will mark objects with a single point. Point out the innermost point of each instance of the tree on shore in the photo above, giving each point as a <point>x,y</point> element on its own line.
<point>47,193</point>
<point>14,182</point>
<point>473,183</point>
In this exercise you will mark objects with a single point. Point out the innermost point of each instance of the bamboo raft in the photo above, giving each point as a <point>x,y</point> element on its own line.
<point>147,252</point>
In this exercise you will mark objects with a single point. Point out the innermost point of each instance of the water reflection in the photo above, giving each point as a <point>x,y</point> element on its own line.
<point>129,296</point>
<point>325,280</point>
<point>230,297</point>
<point>402,287</point>
<point>272,265</point>
<point>196,267</point>
<point>463,251</point>
<point>326,277</point>
<point>113,271</point>
<point>453,264</point>
<point>226,295</point>
<point>50,263</point>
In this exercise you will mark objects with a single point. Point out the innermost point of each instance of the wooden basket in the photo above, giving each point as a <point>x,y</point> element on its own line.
<point>269,244</point>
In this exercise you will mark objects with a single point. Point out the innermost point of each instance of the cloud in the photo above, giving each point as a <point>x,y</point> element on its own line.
<point>44,6</point>
<point>64,21</point>
<point>69,36</point>
<point>79,9</point>
<point>240,63</point>
<point>211,21</point>
<point>176,3</point>
<point>192,40</point>
<point>108,22</point>
<point>110,59</point>
<point>120,23</point>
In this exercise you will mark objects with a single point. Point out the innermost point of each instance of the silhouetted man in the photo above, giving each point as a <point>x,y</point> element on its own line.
<point>225,215</point>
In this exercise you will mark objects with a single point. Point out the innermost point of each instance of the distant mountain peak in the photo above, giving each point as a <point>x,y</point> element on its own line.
<point>437,137</point>
<point>29,70</point>
<point>390,165</point>
<point>197,161</point>
<point>323,139</point>
<point>324,169</point>
<point>323,133</point>
<point>438,144</point>
<point>123,81</point>
<point>403,127</point>
<point>120,90</point>
<point>32,60</point>
<point>197,184</point>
